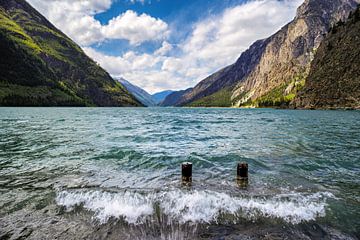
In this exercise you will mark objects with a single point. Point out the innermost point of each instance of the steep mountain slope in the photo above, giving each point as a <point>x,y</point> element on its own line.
<point>226,77</point>
<point>334,78</point>
<point>160,96</point>
<point>271,71</point>
<point>40,66</point>
<point>140,94</point>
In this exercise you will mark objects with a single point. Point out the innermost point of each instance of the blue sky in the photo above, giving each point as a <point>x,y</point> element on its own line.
<point>180,14</point>
<point>166,44</point>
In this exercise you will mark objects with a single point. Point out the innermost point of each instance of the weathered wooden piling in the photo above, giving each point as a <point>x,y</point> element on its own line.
<point>186,171</point>
<point>242,170</point>
<point>242,174</point>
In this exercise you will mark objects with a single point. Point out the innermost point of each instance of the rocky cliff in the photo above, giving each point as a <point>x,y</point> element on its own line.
<point>271,71</point>
<point>40,66</point>
<point>334,78</point>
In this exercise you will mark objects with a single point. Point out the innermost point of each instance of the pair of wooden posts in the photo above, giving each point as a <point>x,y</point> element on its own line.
<point>242,172</point>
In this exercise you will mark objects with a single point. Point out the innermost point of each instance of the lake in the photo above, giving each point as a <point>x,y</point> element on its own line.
<point>114,173</point>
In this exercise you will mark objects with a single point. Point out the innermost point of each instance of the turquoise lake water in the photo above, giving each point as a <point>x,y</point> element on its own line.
<point>114,173</point>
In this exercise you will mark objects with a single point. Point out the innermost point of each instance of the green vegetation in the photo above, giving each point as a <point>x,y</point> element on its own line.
<point>36,57</point>
<point>16,33</point>
<point>280,96</point>
<point>17,95</point>
<point>221,98</point>
<point>275,98</point>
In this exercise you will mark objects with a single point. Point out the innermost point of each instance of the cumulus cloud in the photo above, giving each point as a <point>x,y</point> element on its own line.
<point>76,19</point>
<point>135,28</point>
<point>164,49</point>
<point>139,69</point>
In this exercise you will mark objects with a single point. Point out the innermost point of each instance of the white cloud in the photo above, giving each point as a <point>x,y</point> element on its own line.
<point>128,62</point>
<point>172,65</point>
<point>135,28</point>
<point>76,19</point>
<point>164,49</point>
<point>139,69</point>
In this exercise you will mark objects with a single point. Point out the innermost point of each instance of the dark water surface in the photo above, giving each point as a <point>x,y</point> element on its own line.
<point>114,173</point>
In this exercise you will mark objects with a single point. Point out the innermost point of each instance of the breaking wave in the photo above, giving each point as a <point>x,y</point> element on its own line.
<point>195,206</point>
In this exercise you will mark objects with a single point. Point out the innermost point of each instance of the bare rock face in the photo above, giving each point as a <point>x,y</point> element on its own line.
<point>273,70</point>
<point>334,78</point>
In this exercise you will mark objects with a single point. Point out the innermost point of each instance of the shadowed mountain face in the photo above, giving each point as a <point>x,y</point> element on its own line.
<point>140,94</point>
<point>334,78</point>
<point>160,96</point>
<point>40,66</point>
<point>174,98</point>
<point>272,71</point>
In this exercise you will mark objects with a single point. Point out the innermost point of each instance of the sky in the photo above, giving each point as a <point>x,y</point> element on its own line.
<point>166,44</point>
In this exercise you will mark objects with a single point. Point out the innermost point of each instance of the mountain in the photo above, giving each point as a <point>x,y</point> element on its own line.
<point>41,66</point>
<point>173,98</point>
<point>140,94</point>
<point>272,70</point>
<point>334,78</point>
<point>160,96</point>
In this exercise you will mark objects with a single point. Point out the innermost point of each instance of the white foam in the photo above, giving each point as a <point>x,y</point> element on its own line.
<point>195,206</point>
<point>131,206</point>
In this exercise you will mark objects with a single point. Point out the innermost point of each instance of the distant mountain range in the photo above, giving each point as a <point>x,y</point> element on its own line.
<point>160,96</point>
<point>273,71</point>
<point>144,97</point>
<point>41,66</point>
<point>173,98</point>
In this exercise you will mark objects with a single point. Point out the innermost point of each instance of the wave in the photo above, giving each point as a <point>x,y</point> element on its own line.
<point>195,206</point>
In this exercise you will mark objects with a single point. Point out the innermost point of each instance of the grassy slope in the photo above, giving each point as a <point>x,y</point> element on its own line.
<point>221,98</point>
<point>41,66</point>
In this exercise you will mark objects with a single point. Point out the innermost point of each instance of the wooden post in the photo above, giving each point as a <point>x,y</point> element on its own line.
<point>242,170</point>
<point>242,174</point>
<point>186,171</point>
